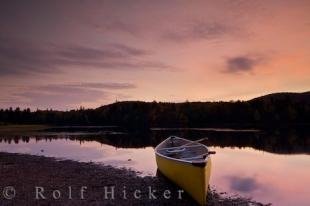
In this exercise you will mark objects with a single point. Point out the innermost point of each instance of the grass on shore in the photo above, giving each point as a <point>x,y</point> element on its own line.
<point>13,129</point>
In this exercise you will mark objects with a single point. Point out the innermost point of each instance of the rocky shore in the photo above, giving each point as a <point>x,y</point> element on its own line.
<point>37,180</point>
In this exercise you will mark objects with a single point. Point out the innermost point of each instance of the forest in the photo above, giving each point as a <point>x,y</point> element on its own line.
<point>278,109</point>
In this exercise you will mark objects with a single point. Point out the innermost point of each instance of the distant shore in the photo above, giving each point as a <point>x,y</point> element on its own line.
<point>66,182</point>
<point>277,110</point>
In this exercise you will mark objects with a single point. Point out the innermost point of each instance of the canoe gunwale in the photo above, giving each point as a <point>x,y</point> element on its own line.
<point>201,163</point>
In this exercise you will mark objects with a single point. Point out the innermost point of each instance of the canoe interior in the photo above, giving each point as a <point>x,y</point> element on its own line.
<point>182,149</point>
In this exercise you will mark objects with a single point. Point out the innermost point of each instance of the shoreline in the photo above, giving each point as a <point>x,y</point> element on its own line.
<point>67,182</point>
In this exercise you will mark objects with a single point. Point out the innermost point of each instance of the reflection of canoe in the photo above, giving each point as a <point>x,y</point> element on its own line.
<point>187,164</point>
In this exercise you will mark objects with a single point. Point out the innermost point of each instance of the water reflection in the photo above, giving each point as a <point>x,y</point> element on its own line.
<point>275,141</point>
<point>270,178</point>
<point>141,159</point>
<point>252,164</point>
<point>243,184</point>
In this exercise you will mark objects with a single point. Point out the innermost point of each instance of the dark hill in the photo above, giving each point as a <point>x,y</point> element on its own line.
<point>279,109</point>
<point>290,96</point>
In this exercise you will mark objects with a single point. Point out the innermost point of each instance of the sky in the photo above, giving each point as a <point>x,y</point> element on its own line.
<point>66,54</point>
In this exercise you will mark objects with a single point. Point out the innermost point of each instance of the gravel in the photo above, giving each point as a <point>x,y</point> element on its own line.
<point>67,182</point>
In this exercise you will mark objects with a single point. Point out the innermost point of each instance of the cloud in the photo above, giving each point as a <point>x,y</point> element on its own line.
<point>242,64</point>
<point>112,51</point>
<point>116,26</point>
<point>63,96</point>
<point>199,30</point>
<point>131,50</point>
<point>97,85</point>
<point>24,57</point>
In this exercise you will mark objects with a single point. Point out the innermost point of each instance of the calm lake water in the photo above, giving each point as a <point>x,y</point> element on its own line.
<point>271,167</point>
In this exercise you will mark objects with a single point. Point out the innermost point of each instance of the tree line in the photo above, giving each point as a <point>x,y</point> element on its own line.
<point>270,110</point>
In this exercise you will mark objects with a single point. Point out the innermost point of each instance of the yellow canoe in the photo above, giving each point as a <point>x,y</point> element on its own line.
<point>187,164</point>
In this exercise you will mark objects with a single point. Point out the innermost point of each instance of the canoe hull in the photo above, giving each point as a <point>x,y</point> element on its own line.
<point>194,179</point>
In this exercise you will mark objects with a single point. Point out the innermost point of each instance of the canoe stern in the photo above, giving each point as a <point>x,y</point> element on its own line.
<point>193,178</point>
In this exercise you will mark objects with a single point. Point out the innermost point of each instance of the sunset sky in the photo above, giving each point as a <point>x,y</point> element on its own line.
<point>66,54</point>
